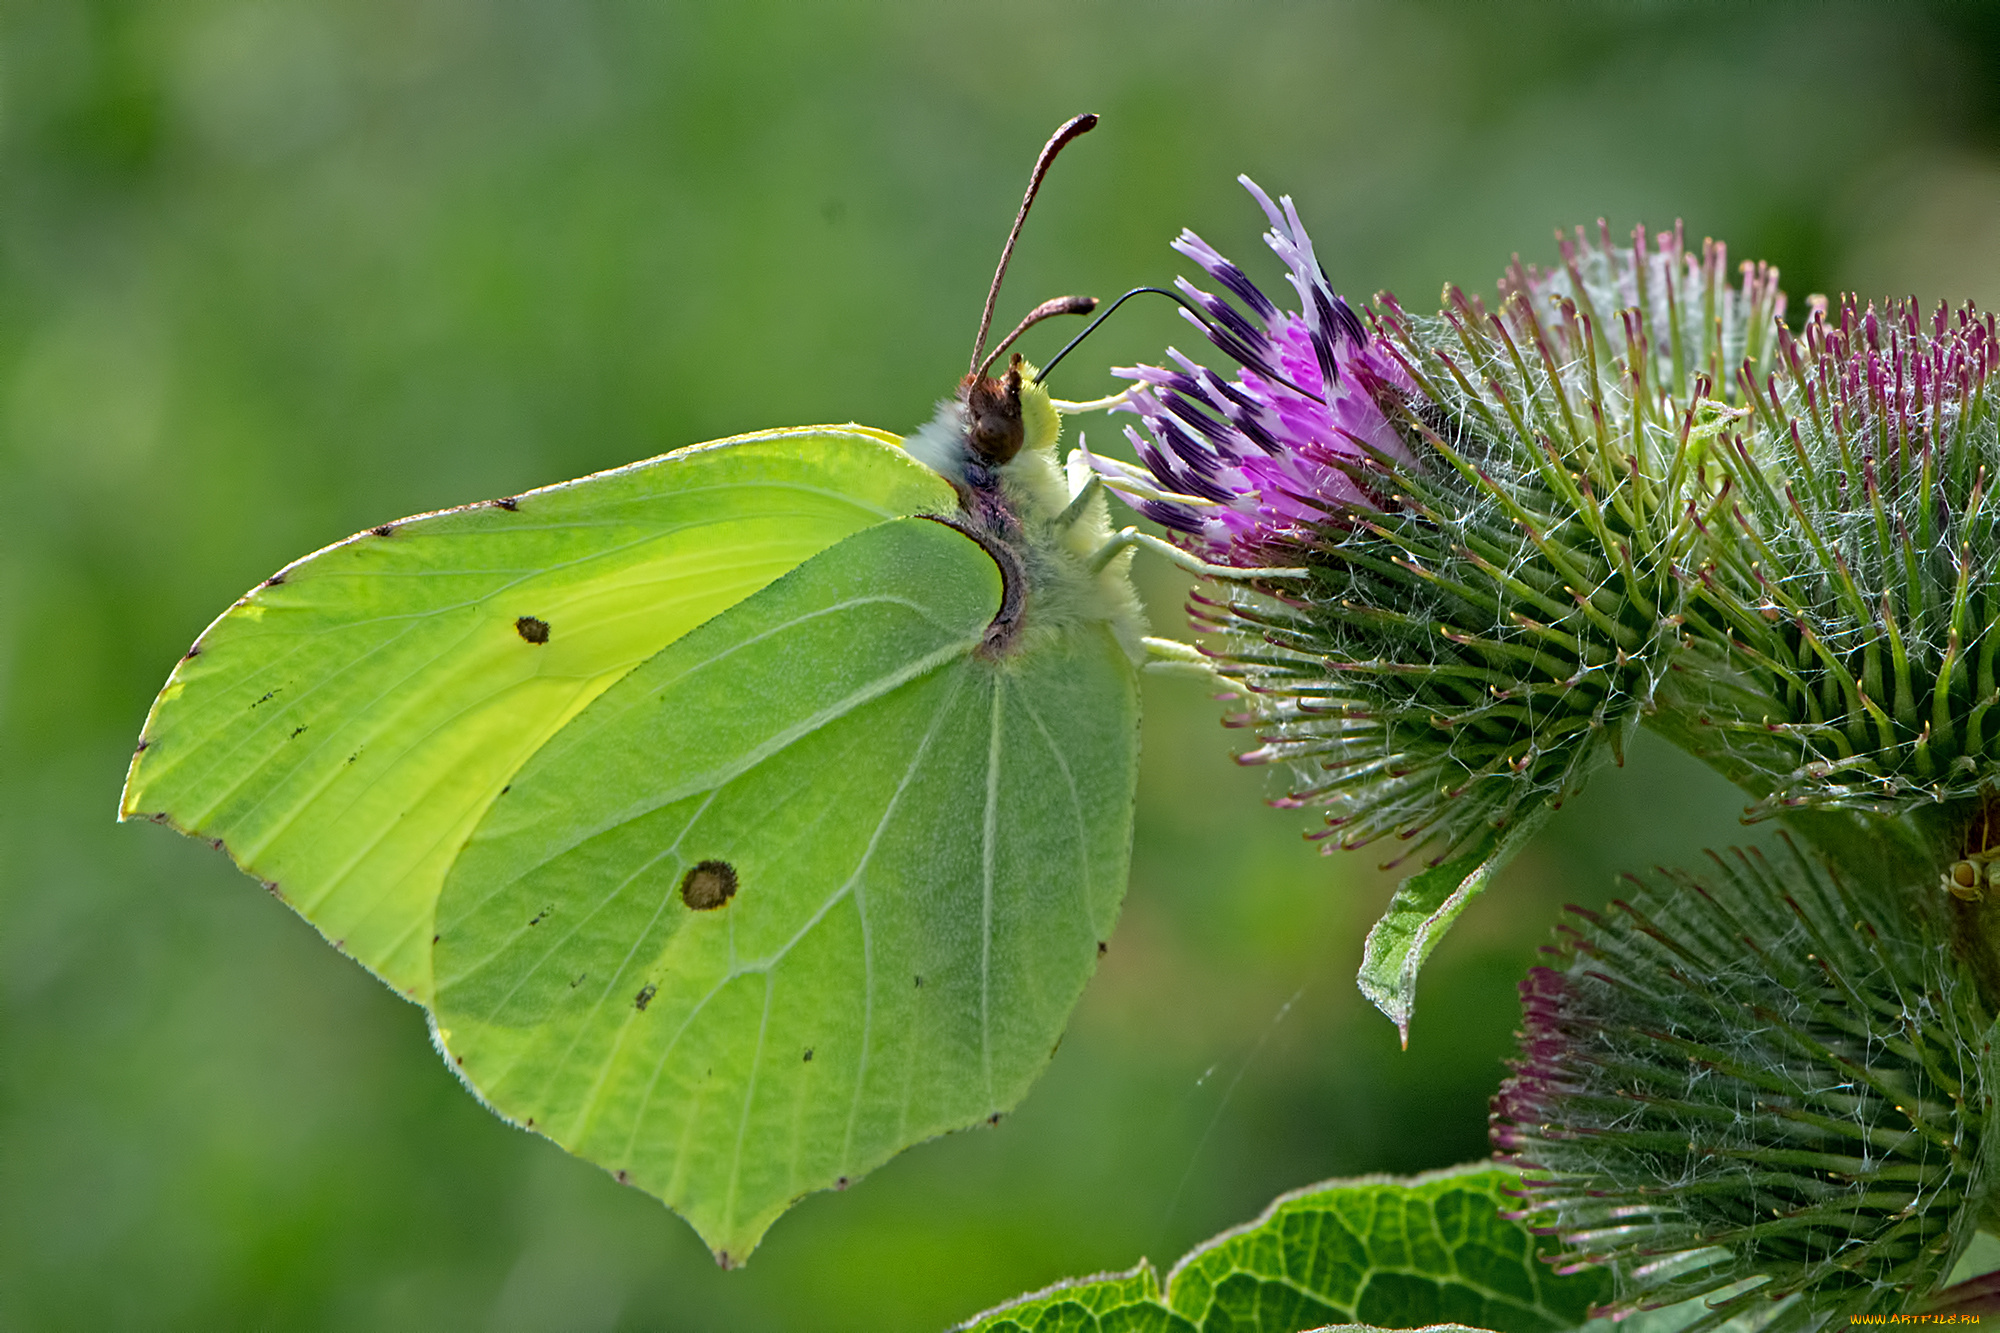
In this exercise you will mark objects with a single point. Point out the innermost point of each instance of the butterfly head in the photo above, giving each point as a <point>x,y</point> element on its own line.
<point>1005,414</point>
<point>993,428</point>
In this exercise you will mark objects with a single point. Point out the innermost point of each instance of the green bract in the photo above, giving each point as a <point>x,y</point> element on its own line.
<point>744,816</point>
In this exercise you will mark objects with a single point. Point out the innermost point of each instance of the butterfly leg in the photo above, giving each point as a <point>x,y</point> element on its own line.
<point>1130,537</point>
<point>1131,483</point>
<point>1109,402</point>
<point>1079,504</point>
<point>1172,657</point>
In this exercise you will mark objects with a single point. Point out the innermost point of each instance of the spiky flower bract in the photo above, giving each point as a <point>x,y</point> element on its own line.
<point>1763,1086</point>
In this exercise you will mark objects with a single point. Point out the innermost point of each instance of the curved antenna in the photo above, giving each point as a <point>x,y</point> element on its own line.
<point>1201,318</point>
<point>1059,305</point>
<point>1070,129</point>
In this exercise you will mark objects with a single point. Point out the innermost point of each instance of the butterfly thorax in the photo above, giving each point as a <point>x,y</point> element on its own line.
<point>995,442</point>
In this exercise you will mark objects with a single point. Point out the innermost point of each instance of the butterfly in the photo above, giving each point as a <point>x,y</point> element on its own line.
<point>741,816</point>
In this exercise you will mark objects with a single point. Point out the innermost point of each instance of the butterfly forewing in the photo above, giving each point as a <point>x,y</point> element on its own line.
<point>922,846</point>
<point>344,727</point>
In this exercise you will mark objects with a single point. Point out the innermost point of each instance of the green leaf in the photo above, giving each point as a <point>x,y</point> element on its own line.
<point>927,846</point>
<point>1424,907</point>
<point>1424,1252</point>
<point>344,726</point>
<point>1128,1302</point>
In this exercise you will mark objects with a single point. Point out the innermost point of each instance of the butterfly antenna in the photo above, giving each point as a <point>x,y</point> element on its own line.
<point>1057,142</point>
<point>1060,305</point>
<point>1200,317</point>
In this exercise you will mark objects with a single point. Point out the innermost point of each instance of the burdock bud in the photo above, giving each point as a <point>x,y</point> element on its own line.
<point>1755,1086</point>
<point>1852,588</point>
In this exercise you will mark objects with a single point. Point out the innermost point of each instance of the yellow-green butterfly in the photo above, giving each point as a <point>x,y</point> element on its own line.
<point>743,816</point>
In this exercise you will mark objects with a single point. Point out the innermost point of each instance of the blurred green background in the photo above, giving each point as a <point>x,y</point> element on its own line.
<point>275,270</point>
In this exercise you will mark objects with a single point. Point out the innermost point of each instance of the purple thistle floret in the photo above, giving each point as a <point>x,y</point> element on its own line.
<point>1253,465</point>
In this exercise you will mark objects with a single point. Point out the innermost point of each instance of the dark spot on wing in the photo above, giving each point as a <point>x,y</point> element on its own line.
<point>267,697</point>
<point>920,981</point>
<point>192,652</point>
<point>840,1184</point>
<point>504,790</point>
<point>993,1119</point>
<point>645,996</point>
<point>297,731</point>
<point>709,885</point>
<point>1102,948</point>
<point>507,502</point>
<point>386,530</point>
<point>542,915</point>
<point>533,629</point>
<point>436,938</point>
<point>622,1176</point>
<point>809,1055</point>
<point>579,980</point>
<point>356,755</point>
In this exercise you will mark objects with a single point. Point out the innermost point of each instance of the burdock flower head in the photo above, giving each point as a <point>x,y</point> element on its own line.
<point>1762,1086</point>
<point>1494,512</point>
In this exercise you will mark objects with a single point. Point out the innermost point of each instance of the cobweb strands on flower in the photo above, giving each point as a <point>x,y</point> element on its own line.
<point>1667,312</point>
<point>1497,509</point>
<point>1758,1086</point>
<point>1853,585</point>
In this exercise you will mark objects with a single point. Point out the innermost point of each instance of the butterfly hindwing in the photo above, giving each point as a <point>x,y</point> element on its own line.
<point>925,845</point>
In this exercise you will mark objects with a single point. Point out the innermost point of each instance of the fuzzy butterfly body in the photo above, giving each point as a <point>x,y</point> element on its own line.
<point>509,756</point>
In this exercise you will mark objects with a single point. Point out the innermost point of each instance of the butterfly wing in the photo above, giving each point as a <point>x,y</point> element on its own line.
<point>345,726</point>
<point>926,847</point>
